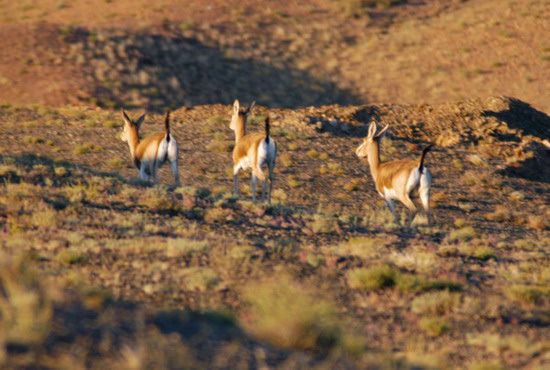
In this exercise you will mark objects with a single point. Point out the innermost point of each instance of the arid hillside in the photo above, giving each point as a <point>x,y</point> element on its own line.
<point>120,273</point>
<point>99,269</point>
<point>283,54</point>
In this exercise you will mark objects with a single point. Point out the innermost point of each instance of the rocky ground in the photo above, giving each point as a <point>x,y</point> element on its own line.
<point>101,270</point>
<point>320,278</point>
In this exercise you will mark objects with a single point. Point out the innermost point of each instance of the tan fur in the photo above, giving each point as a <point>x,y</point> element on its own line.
<point>246,151</point>
<point>396,179</point>
<point>392,172</point>
<point>145,153</point>
<point>248,147</point>
<point>152,140</point>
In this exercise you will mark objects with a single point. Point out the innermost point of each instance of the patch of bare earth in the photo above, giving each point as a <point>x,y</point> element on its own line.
<point>419,52</point>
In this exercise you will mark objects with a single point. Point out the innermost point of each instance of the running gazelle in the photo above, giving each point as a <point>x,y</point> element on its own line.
<point>397,179</point>
<point>252,151</point>
<point>153,151</point>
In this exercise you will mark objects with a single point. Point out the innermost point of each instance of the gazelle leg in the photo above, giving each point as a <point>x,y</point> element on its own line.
<point>391,205</point>
<point>424,193</point>
<point>175,172</point>
<point>253,186</point>
<point>236,181</point>
<point>412,209</point>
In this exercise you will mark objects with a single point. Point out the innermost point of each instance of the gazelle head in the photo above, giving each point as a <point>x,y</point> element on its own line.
<point>371,138</point>
<point>130,126</point>
<point>239,116</point>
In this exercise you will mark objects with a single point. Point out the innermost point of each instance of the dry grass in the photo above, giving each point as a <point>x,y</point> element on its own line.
<point>26,306</point>
<point>297,274</point>
<point>287,314</point>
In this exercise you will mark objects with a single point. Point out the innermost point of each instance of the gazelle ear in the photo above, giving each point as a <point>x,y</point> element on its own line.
<point>250,107</point>
<point>140,121</point>
<point>236,106</point>
<point>383,130</point>
<point>127,119</point>
<point>372,130</point>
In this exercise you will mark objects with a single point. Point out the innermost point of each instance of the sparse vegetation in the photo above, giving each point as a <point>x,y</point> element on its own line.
<point>286,314</point>
<point>100,269</point>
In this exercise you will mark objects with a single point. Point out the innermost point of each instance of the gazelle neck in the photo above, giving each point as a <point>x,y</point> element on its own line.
<point>133,141</point>
<point>240,128</point>
<point>373,156</point>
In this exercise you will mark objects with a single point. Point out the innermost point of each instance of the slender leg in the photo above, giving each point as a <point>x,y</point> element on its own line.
<point>390,204</point>
<point>153,170</point>
<point>271,170</point>
<point>175,172</point>
<point>424,193</point>
<point>270,188</point>
<point>143,173</point>
<point>412,208</point>
<point>264,190</point>
<point>253,186</point>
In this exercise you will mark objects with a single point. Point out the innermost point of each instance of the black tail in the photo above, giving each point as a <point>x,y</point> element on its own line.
<point>267,130</point>
<point>426,150</point>
<point>167,126</point>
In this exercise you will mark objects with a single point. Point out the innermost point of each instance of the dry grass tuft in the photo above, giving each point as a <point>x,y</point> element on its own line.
<point>463,234</point>
<point>434,326</point>
<point>186,247</point>
<point>436,303</point>
<point>26,306</point>
<point>528,295</point>
<point>286,313</point>
<point>372,278</point>
<point>324,223</point>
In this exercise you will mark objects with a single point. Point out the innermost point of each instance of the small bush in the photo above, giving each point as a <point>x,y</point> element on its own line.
<point>200,278</point>
<point>217,120</point>
<point>286,160</point>
<point>286,314</point>
<point>186,247</point>
<point>537,222</point>
<point>60,171</point>
<point>26,306</point>
<point>364,247</point>
<point>373,278</point>
<point>352,185</point>
<point>436,303</point>
<point>293,182</point>
<point>463,234</point>
<point>158,198</point>
<point>70,256</point>
<point>115,163</point>
<point>46,218</point>
<point>529,295</point>
<point>434,326</point>
<point>323,223</point>
<point>484,253</point>
<point>32,140</point>
<point>87,148</point>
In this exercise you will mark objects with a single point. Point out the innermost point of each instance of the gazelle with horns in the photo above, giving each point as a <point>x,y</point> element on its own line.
<point>152,152</point>
<point>397,179</point>
<point>252,151</point>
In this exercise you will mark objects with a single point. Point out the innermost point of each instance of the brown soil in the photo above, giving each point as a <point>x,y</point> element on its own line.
<point>300,53</point>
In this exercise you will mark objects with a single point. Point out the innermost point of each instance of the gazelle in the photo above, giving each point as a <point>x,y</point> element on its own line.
<point>252,151</point>
<point>152,152</point>
<point>397,179</point>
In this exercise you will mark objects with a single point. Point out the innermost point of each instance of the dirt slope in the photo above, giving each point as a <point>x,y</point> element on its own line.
<point>283,55</point>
